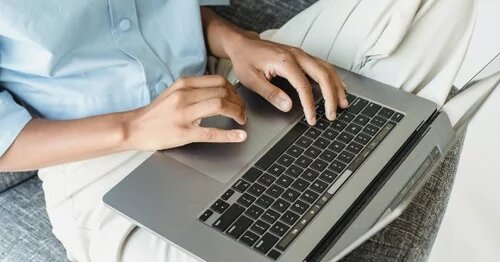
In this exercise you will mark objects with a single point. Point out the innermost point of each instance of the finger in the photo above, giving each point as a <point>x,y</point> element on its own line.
<point>317,70</point>
<point>257,82</point>
<point>341,91</point>
<point>215,135</point>
<point>214,107</point>
<point>200,94</point>
<point>203,82</point>
<point>290,70</point>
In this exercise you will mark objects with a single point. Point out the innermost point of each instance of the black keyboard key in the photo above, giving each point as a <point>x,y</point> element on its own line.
<point>386,113</point>
<point>322,124</point>
<point>295,151</point>
<point>309,175</point>
<point>338,125</point>
<point>362,138</point>
<point>256,189</point>
<point>284,181</point>
<point>346,117</point>
<point>371,130</point>
<point>304,141</point>
<point>289,218</point>
<point>299,206</point>
<point>294,171</point>
<point>320,108</point>
<point>337,166</point>
<point>249,238</point>
<point>279,228</point>
<point>319,186</point>
<point>350,98</point>
<point>227,194</point>
<point>266,243</point>
<point>254,212</point>
<point>312,132</point>
<point>300,184</point>
<point>353,129</point>
<point>321,143</point>
<point>312,152</point>
<point>260,227</point>
<point>328,176</point>
<point>354,147</point>
<point>319,165</point>
<point>309,196</point>
<point>397,117</point>
<point>361,120</point>
<point>264,201</point>
<point>239,227</point>
<point>224,221</point>
<point>345,137</point>
<point>219,206</point>
<point>330,134</point>
<point>303,161</point>
<point>270,216</point>
<point>358,105</point>
<point>290,195</point>
<point>280,205</point>
<point>336,146</point>
<point>327,156</point>
<point>285,160</point>
<point>378,121</point>
<point>274,191</point>
<point>274,254</point>
<point>241,186</point>
<point>346,157</point>
<point>252,174</point>
<point>266,179</point>
<point>276,170</point>
<point>371,109</point>
<point>281,146</point>
<point>245,200</point>
<point>206,215</point>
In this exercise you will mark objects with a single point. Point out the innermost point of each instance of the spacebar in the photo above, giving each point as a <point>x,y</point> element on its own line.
<point>281,146</point>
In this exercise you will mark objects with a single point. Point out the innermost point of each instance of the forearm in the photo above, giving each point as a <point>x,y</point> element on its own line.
<point>45,143</point>
<point>221,36</point>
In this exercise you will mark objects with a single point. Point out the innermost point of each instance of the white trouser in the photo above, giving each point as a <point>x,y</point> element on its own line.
<point>417,45</point>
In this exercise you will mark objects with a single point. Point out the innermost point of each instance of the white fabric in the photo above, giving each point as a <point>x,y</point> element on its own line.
<point>416,45</point>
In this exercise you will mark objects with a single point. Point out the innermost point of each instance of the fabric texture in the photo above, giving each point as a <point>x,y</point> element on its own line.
<point>50,64</point>
<point>25,230</point>
<point>11,179</point>
<point>409,238</point>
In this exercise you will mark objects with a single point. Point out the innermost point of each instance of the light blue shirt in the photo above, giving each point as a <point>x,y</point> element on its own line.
<point>70,59</point>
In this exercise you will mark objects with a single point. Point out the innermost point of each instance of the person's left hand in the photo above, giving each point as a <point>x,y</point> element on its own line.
<point>257,61</point>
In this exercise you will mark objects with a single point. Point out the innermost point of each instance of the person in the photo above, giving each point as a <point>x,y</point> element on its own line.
<point>88,93</point>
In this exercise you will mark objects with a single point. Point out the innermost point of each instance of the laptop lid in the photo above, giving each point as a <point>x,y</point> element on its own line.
<point>460,109</point>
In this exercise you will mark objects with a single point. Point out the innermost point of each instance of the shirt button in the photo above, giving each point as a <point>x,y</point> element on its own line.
<point>159,87</point>
<point>125,24</point>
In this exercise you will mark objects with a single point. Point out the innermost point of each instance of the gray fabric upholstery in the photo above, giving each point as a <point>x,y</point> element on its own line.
<point>25,230</point>
<point>8,180</point>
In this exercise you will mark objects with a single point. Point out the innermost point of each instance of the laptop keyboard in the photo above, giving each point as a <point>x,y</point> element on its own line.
<point>270,205</point>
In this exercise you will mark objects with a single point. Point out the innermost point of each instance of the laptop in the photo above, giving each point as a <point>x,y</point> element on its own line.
<point>291,192</point>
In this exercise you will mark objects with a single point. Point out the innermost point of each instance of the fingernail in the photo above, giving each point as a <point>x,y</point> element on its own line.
<point>344,103</point>
<point>333,115</point>
<point>313,120</point>
<point>242,135</point>
<point>284,105</point>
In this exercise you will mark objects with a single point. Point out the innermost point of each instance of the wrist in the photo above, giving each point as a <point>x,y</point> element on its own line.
<point>127,128</point>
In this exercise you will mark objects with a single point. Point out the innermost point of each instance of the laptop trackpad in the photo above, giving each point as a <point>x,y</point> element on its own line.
<point>223,161</point>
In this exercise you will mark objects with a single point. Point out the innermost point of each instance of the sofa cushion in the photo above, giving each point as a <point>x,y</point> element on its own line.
<point>10,179</point>
<point>25,230</point>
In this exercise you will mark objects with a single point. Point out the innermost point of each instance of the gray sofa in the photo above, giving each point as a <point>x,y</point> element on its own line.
<point>25,231</point>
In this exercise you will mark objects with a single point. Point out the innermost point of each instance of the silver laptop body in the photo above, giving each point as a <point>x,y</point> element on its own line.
<point>170,192</point>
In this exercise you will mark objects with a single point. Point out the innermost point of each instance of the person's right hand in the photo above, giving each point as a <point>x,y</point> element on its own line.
<point>172,120</point>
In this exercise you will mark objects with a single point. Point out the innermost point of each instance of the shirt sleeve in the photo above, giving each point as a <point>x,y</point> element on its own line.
<point>13,118</point>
